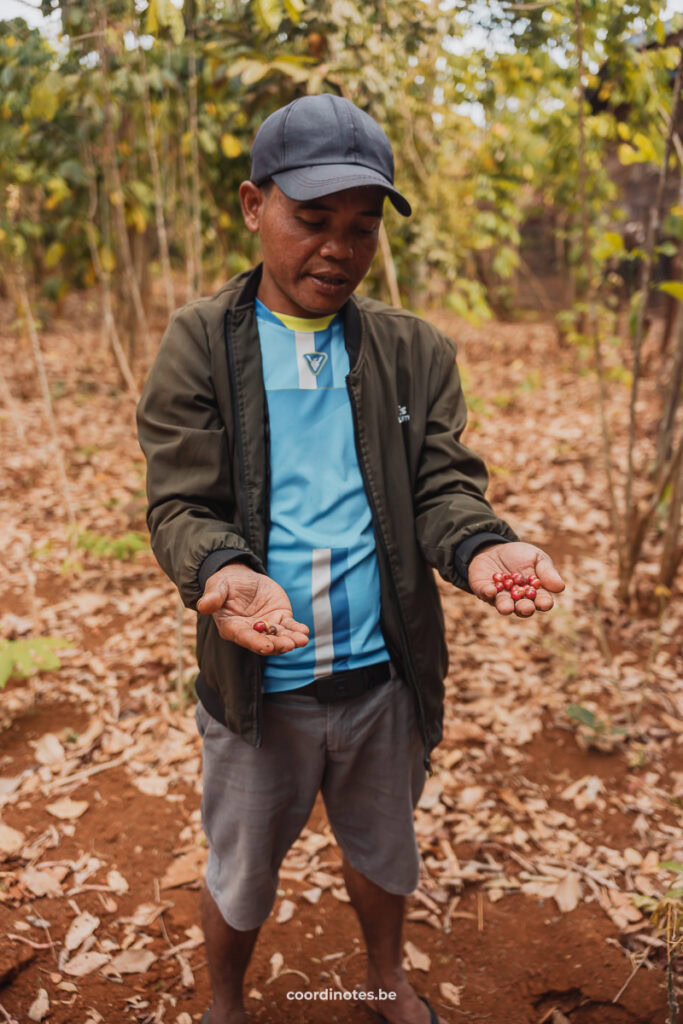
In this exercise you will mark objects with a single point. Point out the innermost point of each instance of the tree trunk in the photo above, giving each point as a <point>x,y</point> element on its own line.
<point>115,187</point>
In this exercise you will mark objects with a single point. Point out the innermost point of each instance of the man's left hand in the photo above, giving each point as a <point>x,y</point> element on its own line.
<point>516,557</point>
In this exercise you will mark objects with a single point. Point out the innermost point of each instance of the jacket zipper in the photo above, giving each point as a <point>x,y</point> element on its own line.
<point>380,537</point>
<point>244,512</point>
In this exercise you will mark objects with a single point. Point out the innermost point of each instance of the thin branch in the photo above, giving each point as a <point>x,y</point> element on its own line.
<point>389,266</point>
<point>653,225</point>
<point>162,234</point>
<point>47,400</point>
<point>102,276</point>
<point>593,321</point>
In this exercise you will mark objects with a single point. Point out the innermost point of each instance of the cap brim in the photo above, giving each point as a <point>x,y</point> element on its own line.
<point>304,183</point>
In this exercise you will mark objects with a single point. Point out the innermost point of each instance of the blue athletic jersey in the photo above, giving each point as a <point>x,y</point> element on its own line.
<point>321,545</point>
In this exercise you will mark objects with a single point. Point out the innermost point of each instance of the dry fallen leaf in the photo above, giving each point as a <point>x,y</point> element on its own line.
<point>450,992</point>
<point>11,841</point>
<point>418,960</point>
<point>187,868</point>
<point>80,928</point>
<point>67,809</point>
<point>132,961</point>
<point>277,962</point>
<point>147,913</point>
<point>117,883</point>
<point>48,749</point>
<point>470,797</point>
<point>186,975</point>
<point>568,892</point>
<point>40,1007</point>
<point>85,963</point>
<point>40,883</point>
<point>152,785</point>
<point>286,912</point>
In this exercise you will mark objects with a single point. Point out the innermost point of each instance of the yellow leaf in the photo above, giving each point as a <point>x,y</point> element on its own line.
<point>645,146</point>
<point>137,216</point>
<point>268,14</point>
<point>116,198</point>
<point>224,219</point>
<point>628,155</point>
<point>107,259</point>
<point>295,9</point>
<point>231,145</point>
<point>152,25</point>
<point>674,288</point>
<point>623,130</point>
<point>53,255</point>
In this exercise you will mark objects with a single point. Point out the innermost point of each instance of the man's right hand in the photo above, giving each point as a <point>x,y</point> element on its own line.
<point>237,597</point>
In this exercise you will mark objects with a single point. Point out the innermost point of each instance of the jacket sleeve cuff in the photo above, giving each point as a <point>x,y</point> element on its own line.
<point>225,556</point>
<point>468,548</point>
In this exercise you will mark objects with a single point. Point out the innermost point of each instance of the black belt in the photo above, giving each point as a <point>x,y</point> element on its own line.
<point>343,685</point>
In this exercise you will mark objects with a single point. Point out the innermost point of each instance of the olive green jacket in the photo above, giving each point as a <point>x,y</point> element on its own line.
<point>203,426</point>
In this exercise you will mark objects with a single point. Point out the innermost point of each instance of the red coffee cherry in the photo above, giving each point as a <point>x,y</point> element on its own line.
<point>260,626</point>
<point>517,593</point>
<point>518,578</point>
<point>499,586</point>
<point>507,583</point>
<point>498,577</point>
<point>530,592</point>
<point>535,582</point>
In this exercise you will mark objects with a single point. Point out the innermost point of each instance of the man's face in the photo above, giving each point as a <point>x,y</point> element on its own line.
<point>316,252</point>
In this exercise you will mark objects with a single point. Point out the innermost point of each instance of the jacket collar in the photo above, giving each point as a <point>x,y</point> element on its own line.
<point>349,312</point>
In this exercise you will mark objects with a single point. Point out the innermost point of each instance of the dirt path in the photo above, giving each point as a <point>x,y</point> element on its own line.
<point>533,843</point>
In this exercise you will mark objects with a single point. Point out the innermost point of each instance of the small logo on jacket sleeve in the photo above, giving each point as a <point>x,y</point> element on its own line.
<point>403,414</point>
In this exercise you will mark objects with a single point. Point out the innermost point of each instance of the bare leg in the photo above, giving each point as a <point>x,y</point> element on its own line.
<point>381,918</point>
<point>228,952</point>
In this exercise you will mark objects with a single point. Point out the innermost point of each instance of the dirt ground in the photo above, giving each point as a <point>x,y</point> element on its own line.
<point>534,841</point>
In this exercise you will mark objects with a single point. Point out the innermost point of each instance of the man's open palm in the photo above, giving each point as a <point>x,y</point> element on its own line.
<point>516,557</point>
<point>237,597</point>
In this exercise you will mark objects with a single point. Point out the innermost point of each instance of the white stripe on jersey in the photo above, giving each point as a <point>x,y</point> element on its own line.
<point>322,611</point>
<point>305,342</point>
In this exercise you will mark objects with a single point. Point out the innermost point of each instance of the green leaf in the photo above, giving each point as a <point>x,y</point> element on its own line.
<point>608,245</point>
<point>44,101</point>
<point>671,865</point>
<point>581,714</point>
<point>674,288</point>
<point>26,657</point>
<point>53,254</point>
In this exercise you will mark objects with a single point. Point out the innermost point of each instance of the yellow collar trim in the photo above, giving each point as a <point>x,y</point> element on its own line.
<point>297,323</point>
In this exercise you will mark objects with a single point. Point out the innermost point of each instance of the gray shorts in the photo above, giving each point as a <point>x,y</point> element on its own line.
<point>364,755</point>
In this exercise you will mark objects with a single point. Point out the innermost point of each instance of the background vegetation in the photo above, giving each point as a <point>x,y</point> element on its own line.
<point>515,127</point>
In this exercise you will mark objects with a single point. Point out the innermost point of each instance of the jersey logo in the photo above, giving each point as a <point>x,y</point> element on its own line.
<point>403,414</point>
<point>316,361</point>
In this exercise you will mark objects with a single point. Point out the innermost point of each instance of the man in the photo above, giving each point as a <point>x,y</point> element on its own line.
<point>305,474</point>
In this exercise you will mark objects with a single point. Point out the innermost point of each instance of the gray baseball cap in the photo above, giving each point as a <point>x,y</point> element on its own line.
<point>318,145</point>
